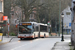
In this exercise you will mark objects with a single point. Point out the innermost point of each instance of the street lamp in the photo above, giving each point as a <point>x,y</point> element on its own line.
<point>62,37</point>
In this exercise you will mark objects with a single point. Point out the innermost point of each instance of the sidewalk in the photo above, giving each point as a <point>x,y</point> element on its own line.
<point>65,45</point>
<point>6,39</point>
<point>62,45</point>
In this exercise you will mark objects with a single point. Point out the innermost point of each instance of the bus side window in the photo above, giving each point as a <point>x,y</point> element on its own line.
<point>36,28</point>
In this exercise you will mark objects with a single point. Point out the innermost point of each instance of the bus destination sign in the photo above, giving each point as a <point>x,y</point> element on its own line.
<point>26,23</point>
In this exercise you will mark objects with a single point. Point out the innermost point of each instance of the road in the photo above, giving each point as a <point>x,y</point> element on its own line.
<point>35,44</point>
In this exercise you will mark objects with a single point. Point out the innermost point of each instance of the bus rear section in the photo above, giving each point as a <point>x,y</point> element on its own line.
<point>44,31</point>
<point>25,30</point>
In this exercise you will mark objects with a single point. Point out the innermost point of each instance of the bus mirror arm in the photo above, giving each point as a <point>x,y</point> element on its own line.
<point>33,26</point>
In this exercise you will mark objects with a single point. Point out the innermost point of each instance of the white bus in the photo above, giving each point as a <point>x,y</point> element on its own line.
<point>32,30</point>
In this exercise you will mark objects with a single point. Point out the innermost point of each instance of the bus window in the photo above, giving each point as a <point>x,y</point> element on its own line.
<point>43,28</point>
<point>35,27</point>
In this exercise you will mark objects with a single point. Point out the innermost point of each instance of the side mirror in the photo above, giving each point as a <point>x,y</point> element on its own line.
<point>74,2</point>
<point>71,9</point>
<point>33,26</point>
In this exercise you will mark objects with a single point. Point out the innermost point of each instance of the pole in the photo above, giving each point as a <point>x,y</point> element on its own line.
<point>62,38</point>
<point>8,28</point>
<point>59,15</point>
<point>56,27</point>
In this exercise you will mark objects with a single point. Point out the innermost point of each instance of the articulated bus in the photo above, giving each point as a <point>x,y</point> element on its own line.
<point>32,30</point>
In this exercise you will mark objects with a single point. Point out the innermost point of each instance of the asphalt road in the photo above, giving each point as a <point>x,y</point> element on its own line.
<point>30,44</point>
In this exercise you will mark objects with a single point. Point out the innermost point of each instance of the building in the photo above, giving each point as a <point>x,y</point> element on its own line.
<point>1,10</point>
<point>67,19</point>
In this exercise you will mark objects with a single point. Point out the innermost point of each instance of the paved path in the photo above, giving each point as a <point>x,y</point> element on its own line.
<point>63,45</point>
<point>6,39</point>
<point>36,44</point>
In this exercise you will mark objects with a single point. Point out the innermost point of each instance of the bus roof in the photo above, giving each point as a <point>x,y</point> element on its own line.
<point>28,22</point>
<point>35,23</point>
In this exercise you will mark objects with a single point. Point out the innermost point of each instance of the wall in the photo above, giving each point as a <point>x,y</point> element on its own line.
<point>67,18</point>
<point>1,10</point>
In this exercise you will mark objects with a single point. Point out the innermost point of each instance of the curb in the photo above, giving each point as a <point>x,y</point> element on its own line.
<point>54,45</point>
<point>8,41</point>
<point>11,39</point>
<point>4,43</point>
<point>54,37</point>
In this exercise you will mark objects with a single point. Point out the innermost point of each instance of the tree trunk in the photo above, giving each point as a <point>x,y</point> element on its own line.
<point>26,18</point>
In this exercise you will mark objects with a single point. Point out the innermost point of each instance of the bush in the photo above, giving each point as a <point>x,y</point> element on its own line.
<point>12,34</point>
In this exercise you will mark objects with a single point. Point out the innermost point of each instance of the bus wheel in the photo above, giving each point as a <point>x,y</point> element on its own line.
<point>44,35</point>
<point>38,35</point>
<point>20,38</point>
<point>34,36</point>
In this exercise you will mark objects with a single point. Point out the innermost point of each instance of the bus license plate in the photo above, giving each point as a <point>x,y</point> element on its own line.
<point>25,35</point>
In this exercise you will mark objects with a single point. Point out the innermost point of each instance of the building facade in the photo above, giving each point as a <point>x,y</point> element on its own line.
<point>67,20</point>
<point>1,10</point>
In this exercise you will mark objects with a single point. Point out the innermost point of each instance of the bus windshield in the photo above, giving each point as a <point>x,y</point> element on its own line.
<point>25,29</point>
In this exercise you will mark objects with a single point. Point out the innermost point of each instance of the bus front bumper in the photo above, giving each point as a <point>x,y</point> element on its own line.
<point>25,37</point>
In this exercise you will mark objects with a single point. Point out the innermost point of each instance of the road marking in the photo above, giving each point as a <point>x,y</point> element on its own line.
<point>37,39</point>
<point>26,44</point>
<point>19,47</point>
<point>30,41</point>
<point>19,41</point>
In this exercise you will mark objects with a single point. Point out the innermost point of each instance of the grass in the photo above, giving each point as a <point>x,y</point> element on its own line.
<point>50,35</point>
<point>63,33</point>
<point>71,47</point>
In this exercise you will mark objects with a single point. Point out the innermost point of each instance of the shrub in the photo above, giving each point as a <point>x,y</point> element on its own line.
<point>12,34</point>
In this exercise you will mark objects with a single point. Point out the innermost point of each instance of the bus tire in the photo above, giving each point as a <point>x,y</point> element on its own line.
<point>44,35</point>
<point>34,36</point>
<point>20,38</point>
<point>38,35</point>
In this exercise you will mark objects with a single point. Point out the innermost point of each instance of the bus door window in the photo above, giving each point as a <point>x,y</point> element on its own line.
<point>36,27</point>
